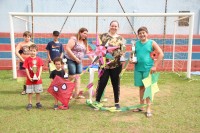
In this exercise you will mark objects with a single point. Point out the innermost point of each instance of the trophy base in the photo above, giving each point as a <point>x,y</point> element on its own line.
<point>122,59</point>
<point>66,76</point>
<point>134,59</point>
<point>35,78</point>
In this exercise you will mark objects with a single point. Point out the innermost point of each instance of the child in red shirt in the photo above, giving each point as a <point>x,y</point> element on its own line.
<point>33,66</point>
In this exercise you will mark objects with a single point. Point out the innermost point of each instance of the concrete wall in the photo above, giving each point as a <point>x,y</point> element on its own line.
<point>111,6</point>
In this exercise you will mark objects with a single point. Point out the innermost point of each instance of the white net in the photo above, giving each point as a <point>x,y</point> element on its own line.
<point>160,29</point>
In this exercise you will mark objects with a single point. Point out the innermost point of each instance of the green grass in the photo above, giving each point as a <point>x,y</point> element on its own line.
<point>175,109</point>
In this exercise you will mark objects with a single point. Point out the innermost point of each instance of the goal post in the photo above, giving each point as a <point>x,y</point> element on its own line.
<point>191,23</point>
<point>138,19</point>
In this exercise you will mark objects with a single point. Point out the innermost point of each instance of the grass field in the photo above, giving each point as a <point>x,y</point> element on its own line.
<point>175,109</point>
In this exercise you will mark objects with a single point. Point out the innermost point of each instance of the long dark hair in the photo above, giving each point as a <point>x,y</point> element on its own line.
<point>81,30</point>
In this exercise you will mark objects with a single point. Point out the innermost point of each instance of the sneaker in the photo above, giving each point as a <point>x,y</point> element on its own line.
<point>104,100</point>
<point>38,105</point>
<point>97,105</point>
<point>117,106</point>
<point>55,107</point>
<point>29,107</point>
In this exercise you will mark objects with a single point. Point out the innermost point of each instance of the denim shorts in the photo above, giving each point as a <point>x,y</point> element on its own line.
<point>139,76</point>
<point>74,67</point>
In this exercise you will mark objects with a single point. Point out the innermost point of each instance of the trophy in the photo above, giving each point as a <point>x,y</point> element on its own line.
<point>123,49</point>
<point>34,69</point>
<point>65,67</point>
<point>133,58</point>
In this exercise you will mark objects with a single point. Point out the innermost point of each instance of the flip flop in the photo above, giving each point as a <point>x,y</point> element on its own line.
<point>138,110</point>
<point>23,92</point>
<point>149,114</point>
<point>80,97</point>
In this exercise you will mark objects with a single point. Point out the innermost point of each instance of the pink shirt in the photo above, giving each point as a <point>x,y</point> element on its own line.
<point>79,50</point>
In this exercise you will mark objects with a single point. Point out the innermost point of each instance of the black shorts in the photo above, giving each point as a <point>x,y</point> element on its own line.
<point>21,66</point>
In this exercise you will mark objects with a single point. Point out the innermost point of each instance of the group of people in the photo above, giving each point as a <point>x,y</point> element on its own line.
<point>76,49</point>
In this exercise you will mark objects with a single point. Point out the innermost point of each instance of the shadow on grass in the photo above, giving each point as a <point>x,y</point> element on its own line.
<point>23,107</point>
<point>10,92</point>
<point>47,97</point>
<point>9,107</point>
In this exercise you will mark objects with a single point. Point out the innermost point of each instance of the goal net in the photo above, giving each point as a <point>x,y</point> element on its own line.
<point>175,40</point>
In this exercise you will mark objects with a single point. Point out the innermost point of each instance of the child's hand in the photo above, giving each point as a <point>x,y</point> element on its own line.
<point>78,61</point>
<point>38,77</point>
<point>50,60</point>
<point>153,69</point>
<point>131,61</point>
<point>31,79</point>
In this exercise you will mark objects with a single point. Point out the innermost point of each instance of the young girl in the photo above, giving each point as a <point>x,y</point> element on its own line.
<point>59,72</point>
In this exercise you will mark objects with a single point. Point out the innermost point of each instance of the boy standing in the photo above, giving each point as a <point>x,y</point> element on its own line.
<point>59,72</point>
<point>145,64</point>
<point>54,48</point>
<point>33,66</point>
<point>22,52</point>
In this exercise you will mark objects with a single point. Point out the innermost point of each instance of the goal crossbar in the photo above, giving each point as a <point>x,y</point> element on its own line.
<point>101,14</point>
<point>190,15</point>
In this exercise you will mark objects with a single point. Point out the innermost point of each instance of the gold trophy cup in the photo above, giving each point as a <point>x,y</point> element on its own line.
<point>34,69</point>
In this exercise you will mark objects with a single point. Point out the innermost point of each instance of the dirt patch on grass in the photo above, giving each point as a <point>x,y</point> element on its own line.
<point>128,96</point>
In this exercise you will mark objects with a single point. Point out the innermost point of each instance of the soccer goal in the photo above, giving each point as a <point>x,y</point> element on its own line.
<point>164,28</point>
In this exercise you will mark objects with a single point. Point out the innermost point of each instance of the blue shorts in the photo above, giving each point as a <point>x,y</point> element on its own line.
<point>74,67</point>
<point>139,76</point>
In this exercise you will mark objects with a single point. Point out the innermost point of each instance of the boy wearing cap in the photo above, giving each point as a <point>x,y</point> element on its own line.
<point>54,48</point>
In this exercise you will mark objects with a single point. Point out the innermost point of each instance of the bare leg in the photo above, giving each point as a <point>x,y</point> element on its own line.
<point>142,89</point>
<point>141,94</point>
<point>72,79</point>
<point>55,101</point>
<point>148,105</point>
<point>77,80</point>
<point>30,98</point>
<point>37,97</point>
<point>77,84</point>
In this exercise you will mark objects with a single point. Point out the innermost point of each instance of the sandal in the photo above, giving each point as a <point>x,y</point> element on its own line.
<point>138,110</point>
<point>23,92</point>
<point>148,114</point>
<point>80,97</point>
